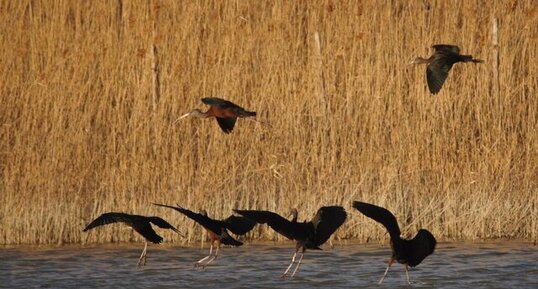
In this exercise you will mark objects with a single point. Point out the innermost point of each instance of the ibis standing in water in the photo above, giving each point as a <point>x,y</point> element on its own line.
<point>217,231</point>
<point>440,63</point>
<point>308,235</point>
<point>140,224</point>
<point>226,112</point>
<point>407,252</point>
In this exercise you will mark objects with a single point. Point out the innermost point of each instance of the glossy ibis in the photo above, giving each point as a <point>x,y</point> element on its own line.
<point>440,63</point>
<point>308,235</point>
<point>140,224</point>
<point>224,111</point>
<point>407,252</point>
<point>217,230</point>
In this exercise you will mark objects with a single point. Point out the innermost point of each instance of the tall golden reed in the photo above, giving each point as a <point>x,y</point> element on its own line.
<point>82,133</point>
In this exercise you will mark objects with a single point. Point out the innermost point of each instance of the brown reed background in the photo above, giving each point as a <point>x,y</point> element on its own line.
<point>82,133</point>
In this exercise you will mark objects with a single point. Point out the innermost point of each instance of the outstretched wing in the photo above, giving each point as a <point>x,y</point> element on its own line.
<point>139,223</point>
<point>226,239</point>
<point>164,224</point>
<point>144,228</point>
<point>205,221</point>
<point>216,101</point>
<point>446,47</point>
<point>228,105</point>
<point>239,225</point>
<point>326,221</point>
<point>109,218</point>
<point>275,221</point>
<point>226,124</point>
<point>422,245</point>
<point>437,72</point>
<point>381,215</point>
<point>199,218</point>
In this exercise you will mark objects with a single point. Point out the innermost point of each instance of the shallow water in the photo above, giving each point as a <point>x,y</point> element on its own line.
<point>453,265</point>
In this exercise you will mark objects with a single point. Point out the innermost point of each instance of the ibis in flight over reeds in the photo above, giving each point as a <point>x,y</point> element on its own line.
<point>140,224</point>
<point>217,231</point>
<point>407,252</point>
<point>226,112</point>
<point>308,235</point>
<point>440,63</point>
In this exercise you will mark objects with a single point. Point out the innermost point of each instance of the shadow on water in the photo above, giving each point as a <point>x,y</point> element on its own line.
<point>459,265</point>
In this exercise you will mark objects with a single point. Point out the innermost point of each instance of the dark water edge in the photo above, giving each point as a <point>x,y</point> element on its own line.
<point>453,265</point>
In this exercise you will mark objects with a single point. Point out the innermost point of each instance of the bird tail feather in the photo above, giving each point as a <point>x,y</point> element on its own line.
<point>469,58</point>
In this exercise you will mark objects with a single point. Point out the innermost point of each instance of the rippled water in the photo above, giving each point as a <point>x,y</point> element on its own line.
<point>453,265</point>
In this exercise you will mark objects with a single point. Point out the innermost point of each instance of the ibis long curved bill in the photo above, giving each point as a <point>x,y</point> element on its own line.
<point>183,116</point>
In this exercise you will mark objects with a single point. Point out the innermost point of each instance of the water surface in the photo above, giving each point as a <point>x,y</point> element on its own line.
<point>453,265</point>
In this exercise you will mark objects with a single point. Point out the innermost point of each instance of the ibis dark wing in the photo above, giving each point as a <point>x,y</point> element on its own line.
<point>139,223</point>
<point>326,221</point>
<point>381,215</point>
<point>239,225</point>
<point>205,221</point>
<point>226,124</point>
<point>144,228</point>
<point>437,72</point>
<point>446,48</point>
<point>225,104</point>
<point>199,218</point>
<point>422,245</point>
<point>275,221</point>
<point>219,102</point>
<point>109,218</point>
<point>163,224</point>
<point>226,239</point>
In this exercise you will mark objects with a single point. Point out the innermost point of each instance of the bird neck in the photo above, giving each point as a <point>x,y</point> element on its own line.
<point>294,216</point>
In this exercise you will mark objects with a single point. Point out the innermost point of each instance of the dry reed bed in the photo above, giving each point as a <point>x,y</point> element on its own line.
<point>81,133</point>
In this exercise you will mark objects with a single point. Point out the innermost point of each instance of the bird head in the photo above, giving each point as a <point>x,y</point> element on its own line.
<point>418,60</point>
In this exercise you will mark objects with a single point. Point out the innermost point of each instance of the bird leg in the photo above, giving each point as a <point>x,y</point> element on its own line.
<point>391,260</point>
<point>198,263</point>
<point>298,263</point>
<point>297,247</point>
<point>142,259</point>
<point>214,257</point>
<point>407,273</point>
<point>292,261</point>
